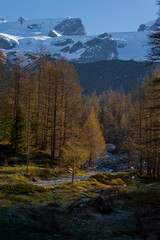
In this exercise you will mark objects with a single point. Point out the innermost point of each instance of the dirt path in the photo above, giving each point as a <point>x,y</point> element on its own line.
<point>67,179</point>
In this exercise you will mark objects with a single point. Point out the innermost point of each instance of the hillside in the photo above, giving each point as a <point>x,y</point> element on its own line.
<point>100,76</point>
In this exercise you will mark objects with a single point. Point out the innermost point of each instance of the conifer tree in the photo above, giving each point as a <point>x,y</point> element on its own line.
<point>74,152</point>
<point>94,141</point>
<point>18,135</point>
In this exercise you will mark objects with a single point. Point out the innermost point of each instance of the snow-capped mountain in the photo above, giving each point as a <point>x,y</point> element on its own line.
<point>67,38</point>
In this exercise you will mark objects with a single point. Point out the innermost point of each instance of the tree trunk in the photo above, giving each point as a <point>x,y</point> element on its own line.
<point>73,173</point>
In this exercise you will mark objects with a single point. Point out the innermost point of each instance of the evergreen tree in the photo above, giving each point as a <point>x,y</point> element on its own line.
<point>18,136</point>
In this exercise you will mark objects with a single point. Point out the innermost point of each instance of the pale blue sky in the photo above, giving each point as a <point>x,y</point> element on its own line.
<point>98,16</point>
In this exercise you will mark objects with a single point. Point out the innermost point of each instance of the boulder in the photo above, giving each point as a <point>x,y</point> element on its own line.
<point>111,147</point>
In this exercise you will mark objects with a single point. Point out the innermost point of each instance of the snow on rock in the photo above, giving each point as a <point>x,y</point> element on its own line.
<point>149,25</point>
<point>135,45</point>
<point>66,37</point>
<point>53,34</point>
<point>2,20</point>
<point>8,41</point>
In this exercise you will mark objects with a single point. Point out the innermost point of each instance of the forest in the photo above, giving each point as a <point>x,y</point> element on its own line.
<point>44,111</point>
<point>51,133</point>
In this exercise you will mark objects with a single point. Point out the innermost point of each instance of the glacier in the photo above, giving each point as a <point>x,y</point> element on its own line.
<point>67,38</point>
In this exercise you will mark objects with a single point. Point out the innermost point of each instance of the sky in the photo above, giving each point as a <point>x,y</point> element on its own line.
<point>98,16</point>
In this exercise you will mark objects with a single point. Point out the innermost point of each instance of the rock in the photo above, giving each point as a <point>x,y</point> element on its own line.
<point>99,49</point>
<point>156,25</point>
<point>34,27</point>
<point>7,44</point>
<point>71,26</point>
<point>21,20</point>
<point>99,200</point>
<point>150,27</point>
<point>104,35</point>
<point>105,209</point>
<point>93,42</point>
<point>110,147</point>
<point>142,27</point>
<point>76,47</point>
<point>63,43</point>
<point>101,206</point>
<point>53,34</point>
<point>121,44</point>
<point>2,20</point>
<point>66,49</point>
<point>34,180</point>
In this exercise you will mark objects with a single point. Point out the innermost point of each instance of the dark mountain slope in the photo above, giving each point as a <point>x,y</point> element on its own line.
<point>113,74</point>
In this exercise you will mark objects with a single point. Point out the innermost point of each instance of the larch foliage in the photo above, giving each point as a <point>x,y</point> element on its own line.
<point>94,139</point>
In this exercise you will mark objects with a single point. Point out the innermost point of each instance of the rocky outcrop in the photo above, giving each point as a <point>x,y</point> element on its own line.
<point>78,45</point>
<point>34,27</point>
<point>21,20</point>
<point>53,34</point>
<point>142,27</point>
<point>99,49</point>
<point>105,35</point>
<point>6,44</point>
<point>65,50</point>
<point>71,26</point>
<point>156,25</point>
<point>120,43</point>
<point>152,26</point>
<point>63,43</point>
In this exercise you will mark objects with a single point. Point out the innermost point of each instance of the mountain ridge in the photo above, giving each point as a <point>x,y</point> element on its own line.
<point>67,38</point>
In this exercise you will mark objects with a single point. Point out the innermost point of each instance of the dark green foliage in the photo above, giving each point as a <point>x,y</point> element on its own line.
<point>103,75</point>
<point>5,122</point>
<point>18,135</point>
<point>22,188</point>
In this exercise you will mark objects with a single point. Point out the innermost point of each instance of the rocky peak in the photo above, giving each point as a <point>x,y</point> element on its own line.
<point>142,28</point>
<point>21,20</point>
<point>71,26</point>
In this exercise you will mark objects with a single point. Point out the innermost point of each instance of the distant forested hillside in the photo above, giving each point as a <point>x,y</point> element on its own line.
<point>100,76</point>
